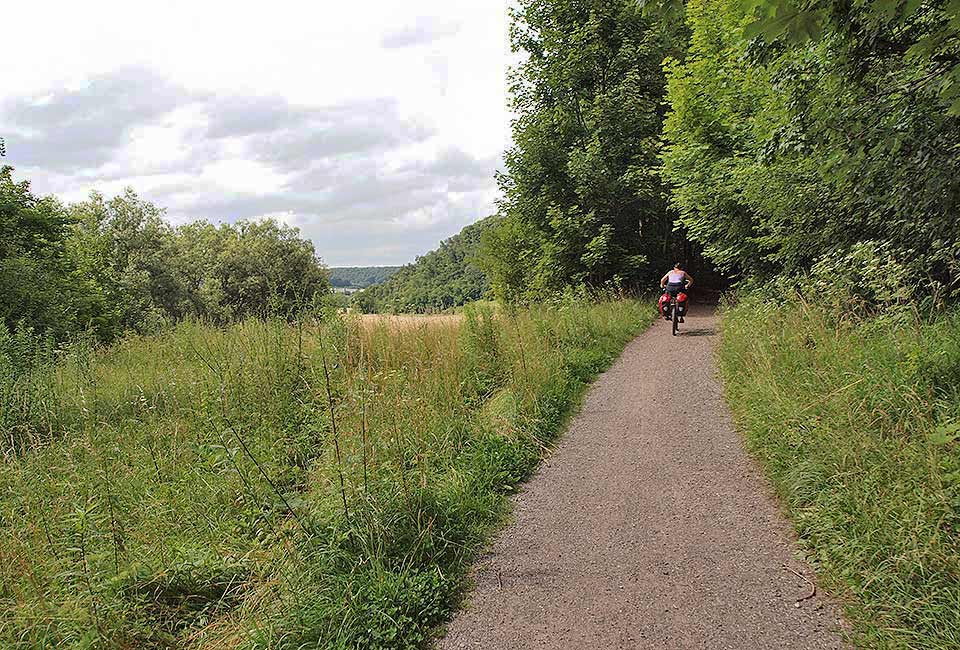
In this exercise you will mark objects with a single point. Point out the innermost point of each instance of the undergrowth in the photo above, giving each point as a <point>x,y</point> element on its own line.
<point>857,422</point>
<point>321,485</point>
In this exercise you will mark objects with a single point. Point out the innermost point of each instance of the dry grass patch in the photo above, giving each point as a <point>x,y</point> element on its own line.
<point>404,322</point>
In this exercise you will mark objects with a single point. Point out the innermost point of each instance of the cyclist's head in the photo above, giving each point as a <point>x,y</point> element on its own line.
<point>678,266</point>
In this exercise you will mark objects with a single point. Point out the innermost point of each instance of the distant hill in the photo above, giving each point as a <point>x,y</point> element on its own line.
<point>443,278</point>
<point>359,277</point>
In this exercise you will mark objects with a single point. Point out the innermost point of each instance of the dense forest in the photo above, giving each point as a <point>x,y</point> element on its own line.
<point>446,277</point>
<point>825,137</point>
<point>583,203</point>
<point>774,138</point>
<point>358,277</point>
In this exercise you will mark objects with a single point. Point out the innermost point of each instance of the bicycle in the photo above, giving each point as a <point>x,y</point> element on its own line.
<point>675,307</point>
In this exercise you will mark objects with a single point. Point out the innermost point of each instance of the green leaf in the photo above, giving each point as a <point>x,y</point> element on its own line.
<point>886,8</point>
<point>954,110</point>
<point>910,7</point>
<point>754,29</point>
<point>945,434</point>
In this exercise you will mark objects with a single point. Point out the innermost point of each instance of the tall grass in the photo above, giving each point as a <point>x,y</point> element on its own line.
<point>856,422</point>
<point>320,485</point>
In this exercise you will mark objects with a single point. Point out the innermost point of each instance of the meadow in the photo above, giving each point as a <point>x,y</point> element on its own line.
<point>324,483</point>
<point>857,423</point>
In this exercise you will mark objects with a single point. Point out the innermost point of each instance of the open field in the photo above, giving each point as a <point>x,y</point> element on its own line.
<point>399,322</point>
<point>271,485</point>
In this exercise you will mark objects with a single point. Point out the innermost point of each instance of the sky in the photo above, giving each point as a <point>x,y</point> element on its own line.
<point>375,127</point>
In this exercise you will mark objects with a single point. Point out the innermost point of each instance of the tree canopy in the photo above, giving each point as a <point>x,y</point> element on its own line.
<point>112,266</point>
<point>583,203</point>
<point>795,134</point>
<point>769,135</point>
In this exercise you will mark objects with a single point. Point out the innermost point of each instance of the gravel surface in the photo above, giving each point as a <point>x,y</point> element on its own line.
<point>648,527</point>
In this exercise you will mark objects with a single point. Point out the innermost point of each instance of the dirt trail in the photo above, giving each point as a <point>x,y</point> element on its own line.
<point>648,527</point>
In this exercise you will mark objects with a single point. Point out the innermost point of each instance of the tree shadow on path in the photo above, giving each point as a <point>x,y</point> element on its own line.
<point>699,331</point>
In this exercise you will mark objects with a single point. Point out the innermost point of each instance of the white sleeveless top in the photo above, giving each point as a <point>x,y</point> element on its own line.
<point>675,277</point>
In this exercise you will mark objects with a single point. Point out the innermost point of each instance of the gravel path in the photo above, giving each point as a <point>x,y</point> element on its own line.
<point>648,527</point>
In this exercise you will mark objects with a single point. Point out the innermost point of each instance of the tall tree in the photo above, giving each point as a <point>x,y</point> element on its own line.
<point>113,266</point>
<point>802,132</point>
<point>583,204</point>
<point>36,288</point>
<point>121,246</point>
<point>265,266</point>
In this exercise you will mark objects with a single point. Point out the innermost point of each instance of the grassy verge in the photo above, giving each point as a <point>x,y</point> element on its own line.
<point>324,485</point>
<point>856,424</point>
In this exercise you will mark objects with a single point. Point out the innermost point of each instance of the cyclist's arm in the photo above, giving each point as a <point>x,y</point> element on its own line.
<point>663,280</point>
<point>689,279</point>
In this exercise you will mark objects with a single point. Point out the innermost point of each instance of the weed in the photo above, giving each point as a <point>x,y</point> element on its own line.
<point>852,420</point>
<point>275,485</point>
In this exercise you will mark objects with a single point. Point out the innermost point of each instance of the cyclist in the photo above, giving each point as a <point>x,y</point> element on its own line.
<point>676,281</point>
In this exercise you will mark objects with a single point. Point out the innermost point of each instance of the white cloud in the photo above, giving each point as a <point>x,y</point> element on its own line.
<point>423,30</point>
<point>374,127</point>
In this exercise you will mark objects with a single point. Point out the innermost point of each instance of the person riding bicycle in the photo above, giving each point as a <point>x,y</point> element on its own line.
<point>676,281</point>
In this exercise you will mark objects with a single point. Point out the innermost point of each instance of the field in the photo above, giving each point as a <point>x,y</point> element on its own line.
<point>858,425</point>
<point>402,322</point>
<point>276,485</point>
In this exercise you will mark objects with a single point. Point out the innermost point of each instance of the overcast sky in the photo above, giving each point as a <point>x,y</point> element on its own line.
<point>375,127</point>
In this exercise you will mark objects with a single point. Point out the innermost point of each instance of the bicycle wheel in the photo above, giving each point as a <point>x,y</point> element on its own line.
<point>676,320</point>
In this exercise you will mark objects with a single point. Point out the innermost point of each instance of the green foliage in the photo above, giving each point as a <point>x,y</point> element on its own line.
<point>443,278</point>
<point>782,149</point>
<point>38,290</point>
<point>855,422</point>
<point>221,273</point>
<point>277,485</point>
<point>583,203</point>
<point>115,266</point>
<point>359,277</point>
<point>922,33</point>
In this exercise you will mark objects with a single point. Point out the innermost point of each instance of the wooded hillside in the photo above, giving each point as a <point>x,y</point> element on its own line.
<point>446,277</point>
<point>359,277</point>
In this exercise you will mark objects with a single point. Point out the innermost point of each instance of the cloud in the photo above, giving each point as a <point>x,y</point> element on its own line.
<point>357,211</point>
<point>376,133</point>
<point>284,131</point>
<point>82,127</point>
<point>423,31</point>
<point>463,171</point>
<point>358,191</point>
<point>246,115</point>
<point>419,230</point>
<point>364,128</point>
